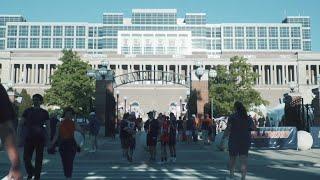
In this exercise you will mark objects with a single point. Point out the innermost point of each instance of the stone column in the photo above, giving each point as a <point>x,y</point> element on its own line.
<point>287,74</point>
<point>263,75</point>
<point>12,72</point>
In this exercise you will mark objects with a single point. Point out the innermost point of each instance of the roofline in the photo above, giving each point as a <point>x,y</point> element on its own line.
<point>154,10</point>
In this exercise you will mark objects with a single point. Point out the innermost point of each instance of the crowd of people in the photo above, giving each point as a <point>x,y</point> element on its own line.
<point>40,131</point>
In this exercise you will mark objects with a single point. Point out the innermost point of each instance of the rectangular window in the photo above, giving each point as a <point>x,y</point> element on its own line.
<point>239,31</point>
<point>239,44</point>
<point>273,32</point>
<point>90,44</point>
<point>160,51</point>
<point>148,50</point>
<point>284,44</point>
<point>34,43</point>
<point>69,31</point>
<point>296,44</point>
<point>136,50</point>
<point>273,44</point>
<point>35,31</point>
<point>250,32</point>
<point>2,44</point>
<point>81,31</point>
<point>57,43</point>
<point>228,43</point>
<point>57,31</point>
<point>68,43</point>
<point>284,31</point>
<point>23,42</point>
<point>46,30</point>
<point>45,43</point>
<point>2,32</point>
<point>251,43</point>
<point>80,43</point>
<point>262,44</point>
<point>218,32</point>
<point>227,32</point>
<point>12,30</point>
<point>12,43</point>
<point>262,32</point>
<point>305,34</point>
<point>295,32</point>
<point>307,45</point>
<point>23,30</point>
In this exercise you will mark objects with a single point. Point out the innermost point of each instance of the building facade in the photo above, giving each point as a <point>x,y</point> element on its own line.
<point>156,39</point>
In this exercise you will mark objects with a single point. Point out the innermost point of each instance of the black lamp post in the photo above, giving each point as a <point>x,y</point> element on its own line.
<point>125,104</point>
<point>180,101</point>
<point>117,111</point>
<point>104,77</point>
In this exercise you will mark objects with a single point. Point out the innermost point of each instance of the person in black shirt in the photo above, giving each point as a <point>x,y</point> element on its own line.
<point>172,137</point>
<point>153,132</point>
<point>7,134</point>
<point>123,136</point>
<point>35,121</point>
<point>180,129</point>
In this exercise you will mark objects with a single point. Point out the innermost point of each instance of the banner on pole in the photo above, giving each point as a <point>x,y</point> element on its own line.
<point>315,133</point>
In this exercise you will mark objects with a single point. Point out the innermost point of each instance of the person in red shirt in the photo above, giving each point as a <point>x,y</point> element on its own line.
<point>67,144</point>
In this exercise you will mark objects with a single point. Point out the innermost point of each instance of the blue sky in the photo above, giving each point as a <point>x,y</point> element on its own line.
<point>217,10</point>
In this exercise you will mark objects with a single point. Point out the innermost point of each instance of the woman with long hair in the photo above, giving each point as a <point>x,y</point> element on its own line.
<point>238,130</point>
<point>67,145</point>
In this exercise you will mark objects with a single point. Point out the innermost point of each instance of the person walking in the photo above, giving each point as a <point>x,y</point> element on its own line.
<point>67,144</point>
<point>172,137</point>
<point>189,129</point>
<point>124,135</point>
<point>53,124</point>
<point>131,129</point>
<point>153,132</point>
<point>164,137</point>
<point>238,130</point>
<point>94,128</point>
<point>7,134</point>
<point>205,129</point>
<point>37,127</point>
<point>180,129</point>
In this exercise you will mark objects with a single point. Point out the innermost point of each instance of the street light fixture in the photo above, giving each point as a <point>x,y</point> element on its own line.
<point>292,85</point>
<point>212,74</point>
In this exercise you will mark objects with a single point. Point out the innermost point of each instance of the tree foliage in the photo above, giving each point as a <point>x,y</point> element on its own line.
<point>235,84</point>
<point>69,84</point>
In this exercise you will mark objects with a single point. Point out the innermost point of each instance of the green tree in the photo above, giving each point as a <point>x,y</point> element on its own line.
<point>69,84</point>
<point>25,103</point>
<point>235,84</point>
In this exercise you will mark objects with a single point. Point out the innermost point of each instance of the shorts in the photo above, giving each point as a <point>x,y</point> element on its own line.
<point>152,141</point>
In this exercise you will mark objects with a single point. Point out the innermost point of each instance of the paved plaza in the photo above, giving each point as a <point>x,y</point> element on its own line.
<point>194,161</point>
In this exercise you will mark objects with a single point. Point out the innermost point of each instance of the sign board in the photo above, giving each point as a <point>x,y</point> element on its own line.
<point>275,138</point>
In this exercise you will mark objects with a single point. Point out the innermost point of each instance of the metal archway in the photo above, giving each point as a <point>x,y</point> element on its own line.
<point>152,76</point>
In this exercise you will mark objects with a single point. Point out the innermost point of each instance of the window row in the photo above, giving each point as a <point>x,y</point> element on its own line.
<point>46,30</point>
<point>230,31</point>
<point>57,43</point>
<point>262,44</point>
